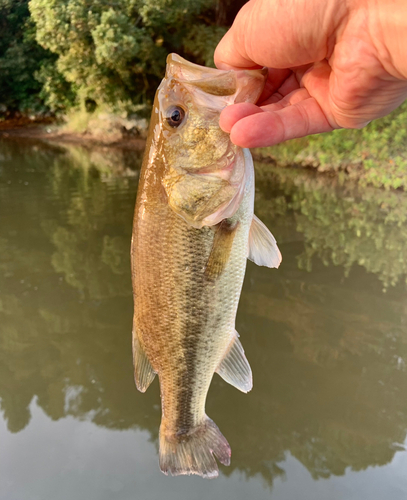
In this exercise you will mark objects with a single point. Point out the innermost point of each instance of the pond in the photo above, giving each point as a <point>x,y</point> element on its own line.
<point>326,336</point>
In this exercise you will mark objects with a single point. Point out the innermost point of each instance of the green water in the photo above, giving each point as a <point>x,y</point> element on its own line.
<point>326,336</point>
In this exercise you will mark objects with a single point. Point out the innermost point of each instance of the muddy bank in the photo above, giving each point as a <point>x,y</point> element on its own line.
<point>50,130</point>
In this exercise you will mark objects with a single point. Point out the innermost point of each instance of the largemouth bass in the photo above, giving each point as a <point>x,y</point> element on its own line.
<point>194,228</point>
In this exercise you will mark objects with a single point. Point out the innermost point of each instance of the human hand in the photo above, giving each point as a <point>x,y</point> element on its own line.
<point>332,64</point>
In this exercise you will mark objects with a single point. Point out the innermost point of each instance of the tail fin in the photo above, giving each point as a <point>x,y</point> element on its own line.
<point>193,453</point>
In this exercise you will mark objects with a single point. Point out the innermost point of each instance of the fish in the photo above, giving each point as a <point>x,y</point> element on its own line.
<point>194,228</point>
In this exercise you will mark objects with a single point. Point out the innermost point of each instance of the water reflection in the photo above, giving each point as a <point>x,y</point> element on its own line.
<point>328,347</point>
<point>342,225</point>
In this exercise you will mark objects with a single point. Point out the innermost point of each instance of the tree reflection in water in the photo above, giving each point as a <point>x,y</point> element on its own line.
<point>327,348</point>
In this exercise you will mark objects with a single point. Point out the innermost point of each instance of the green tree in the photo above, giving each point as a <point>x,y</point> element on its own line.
<point>114,53</point>
<point>20,57</point>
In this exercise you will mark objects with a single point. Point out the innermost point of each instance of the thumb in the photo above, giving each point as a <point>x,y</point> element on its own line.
<point>280,34</point>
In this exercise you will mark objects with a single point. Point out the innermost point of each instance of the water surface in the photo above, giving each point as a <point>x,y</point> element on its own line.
<point>325,335</point>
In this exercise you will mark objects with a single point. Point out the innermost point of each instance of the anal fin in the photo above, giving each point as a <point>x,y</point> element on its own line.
<point>263,249</point>
<point>234,367</point>
<point>143,371</point>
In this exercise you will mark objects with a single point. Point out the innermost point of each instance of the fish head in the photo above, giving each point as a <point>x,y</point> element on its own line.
<point>204,172</point>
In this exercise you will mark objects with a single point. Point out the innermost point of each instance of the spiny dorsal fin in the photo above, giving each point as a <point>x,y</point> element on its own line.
<point>221,247</point>
<point>143,371</point>
<point>263,249</point>
<point>234,367</point>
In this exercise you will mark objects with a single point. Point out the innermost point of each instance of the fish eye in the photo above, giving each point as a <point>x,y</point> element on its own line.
<point>175,116</point>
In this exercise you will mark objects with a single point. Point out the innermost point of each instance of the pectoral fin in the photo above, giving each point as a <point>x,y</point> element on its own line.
<point>263,249</point>
<point>234,367</point>
<point>221,248</point>
<point>143,371</point>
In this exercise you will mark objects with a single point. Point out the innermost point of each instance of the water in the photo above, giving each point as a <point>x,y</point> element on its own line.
<point>325,335</point>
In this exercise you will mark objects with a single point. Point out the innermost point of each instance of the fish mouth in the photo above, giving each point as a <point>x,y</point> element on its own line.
<point>223,172</point>
<point>205,196</point>
<point>230,167</point>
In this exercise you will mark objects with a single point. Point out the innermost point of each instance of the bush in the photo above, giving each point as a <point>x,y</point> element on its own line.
<point>20,58</point>
<point>375,155</point>
<point>114,54</point>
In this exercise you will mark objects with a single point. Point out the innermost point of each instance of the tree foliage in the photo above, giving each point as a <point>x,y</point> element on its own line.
<point>100,52</point>
<point>20,57</point>
<point>113,53</point>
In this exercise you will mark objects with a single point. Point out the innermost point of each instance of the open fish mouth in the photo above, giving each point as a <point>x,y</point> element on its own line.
<point>244,85</point>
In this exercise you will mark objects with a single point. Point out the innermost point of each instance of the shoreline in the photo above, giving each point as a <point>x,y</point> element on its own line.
<point>315,153</point>
<point>46,130</point>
